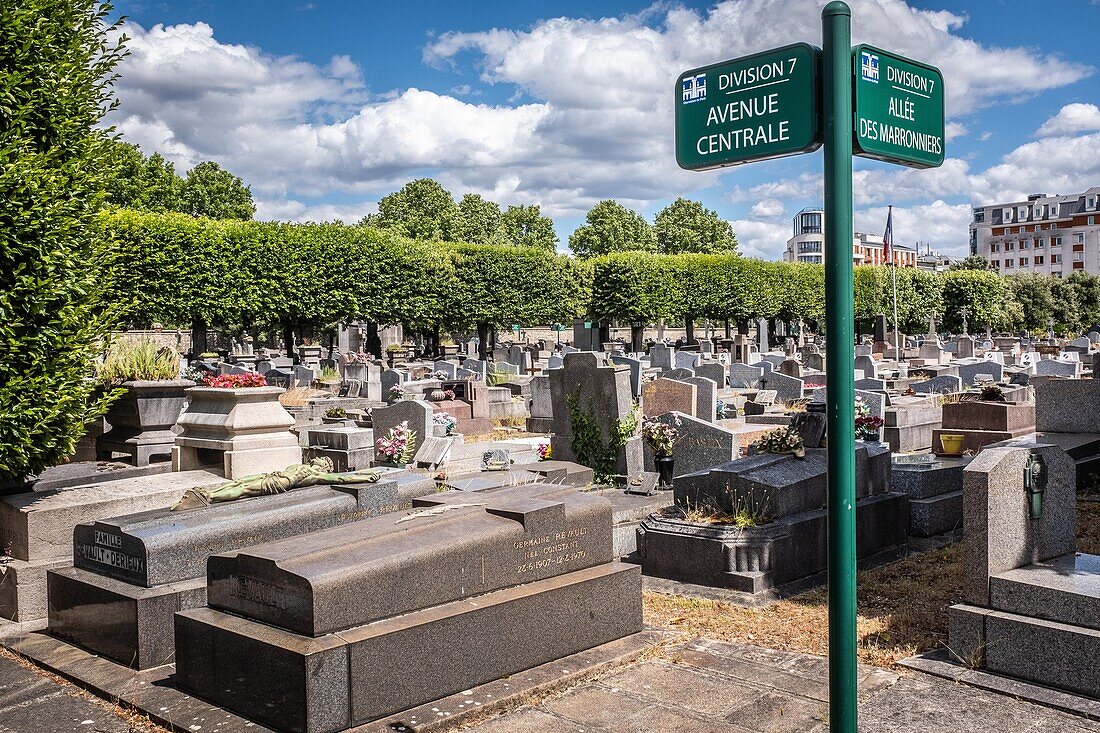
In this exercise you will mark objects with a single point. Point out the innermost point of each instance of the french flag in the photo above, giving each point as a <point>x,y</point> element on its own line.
<point>888,236</point>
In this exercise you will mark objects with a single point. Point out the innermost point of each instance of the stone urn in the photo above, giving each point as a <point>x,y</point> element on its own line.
<point>243,431</point>
<point>437,395</point>
<point>141,420</point>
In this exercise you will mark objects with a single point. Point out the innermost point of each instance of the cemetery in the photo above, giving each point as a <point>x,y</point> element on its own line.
<point>259,476</point>
<point>614,479</point>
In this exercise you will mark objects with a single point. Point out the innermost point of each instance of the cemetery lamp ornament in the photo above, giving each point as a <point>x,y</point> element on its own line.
<point>317,472</point>
<point>1035,483</point>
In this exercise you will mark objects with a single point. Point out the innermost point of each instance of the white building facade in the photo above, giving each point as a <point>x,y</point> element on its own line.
<point>808,244</point>
<point>1048,235</point>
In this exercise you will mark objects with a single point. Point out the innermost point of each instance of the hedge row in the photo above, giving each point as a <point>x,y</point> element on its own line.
<point>175,269</point>
<point>180,270</point>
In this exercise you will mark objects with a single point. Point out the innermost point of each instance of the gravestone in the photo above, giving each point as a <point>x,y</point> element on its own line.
<point>635,367</point>
<point>680,374</point>
<point>554,361</point>
<point>389,379</point>
<point>601,395</point>
<point>480,368</point>
<point>706,347</point>
<point>870,384</point>
<point>446,367</point>
<point>744,376</point>
<point>668,395</point>
<point>701,444</point>
<point>527,552</point>
<point>931,353</point>
<point>791,368</point>
<point>660,356</point>
<point>969,371</point>
<point>868,365</point>
<point>143,567</point>
<point>763,339</point>
<point>786,388</point>
<point>1058,368</point>
<point>714,371</point>
<point>946,384</point>
<point>965,347</point>
<point>685,360</point>
<point>540,406</point>
<point>706,401</point>
<point>416,413</point>
<point>814,361</point>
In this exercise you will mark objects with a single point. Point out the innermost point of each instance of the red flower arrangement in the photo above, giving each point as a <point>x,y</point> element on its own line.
<point>233,381</point>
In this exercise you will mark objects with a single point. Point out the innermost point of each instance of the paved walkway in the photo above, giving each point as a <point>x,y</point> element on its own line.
<point>699,687</point>
<point>707,687</point>
<point>34,703</point>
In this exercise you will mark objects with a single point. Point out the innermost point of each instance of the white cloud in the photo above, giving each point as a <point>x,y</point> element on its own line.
<point>954,130</point>
<point>291,210</point>
<point>944,226</point>
<point>590,117</point>
<point>1072,119</point>
<point>768,208</point>
<point>763,239</point>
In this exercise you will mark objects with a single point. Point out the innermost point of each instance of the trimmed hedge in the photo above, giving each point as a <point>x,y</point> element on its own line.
<point>178,270</point>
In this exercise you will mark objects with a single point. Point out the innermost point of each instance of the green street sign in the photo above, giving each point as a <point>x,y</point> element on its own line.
<point>752,108</point>
<point>898,109</point>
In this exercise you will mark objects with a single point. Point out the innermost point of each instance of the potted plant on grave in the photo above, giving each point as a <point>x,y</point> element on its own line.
<point>330,379</point>
<point>153,395</point>
<point>334,415</point>
<point>662,438</point>
<point>396,448</point>
<point>992,393</point>
<point>867,425</point>
<point>781,441</point>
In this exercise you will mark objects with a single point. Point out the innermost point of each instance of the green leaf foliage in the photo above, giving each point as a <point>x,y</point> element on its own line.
<point>56,61</point>
<point>611,227</point>
<point>688,226</point>
<point>210,191</point>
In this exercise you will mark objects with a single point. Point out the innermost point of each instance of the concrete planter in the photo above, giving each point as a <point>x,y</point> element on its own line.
<point>141,420</point>
<point>244,431</point>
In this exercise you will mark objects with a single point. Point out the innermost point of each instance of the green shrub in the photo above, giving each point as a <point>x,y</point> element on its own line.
<point>56,61</point>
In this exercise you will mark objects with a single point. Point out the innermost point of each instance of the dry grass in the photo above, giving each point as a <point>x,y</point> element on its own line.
<point>301,396</point>
<point>902,607</point>
<point>902,611</point>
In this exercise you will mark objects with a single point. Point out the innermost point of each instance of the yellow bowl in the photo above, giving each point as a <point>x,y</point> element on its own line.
<point>952,444</point>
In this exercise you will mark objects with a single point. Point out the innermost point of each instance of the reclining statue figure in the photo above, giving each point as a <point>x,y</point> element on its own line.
<point>317,472</point>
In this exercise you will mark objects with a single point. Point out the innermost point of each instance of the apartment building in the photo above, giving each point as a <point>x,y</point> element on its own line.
<point>1049,235</point>
<point>808,244</point>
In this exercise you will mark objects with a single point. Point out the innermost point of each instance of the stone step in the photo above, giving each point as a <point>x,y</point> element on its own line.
<point>1065,589</point>
<point>935,515</point>
<point>1033,649</point>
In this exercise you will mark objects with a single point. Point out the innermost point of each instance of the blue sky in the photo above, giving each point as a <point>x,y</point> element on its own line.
<point>324,106</point>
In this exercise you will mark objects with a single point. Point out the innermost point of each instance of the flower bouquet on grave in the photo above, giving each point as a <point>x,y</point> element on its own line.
<point>441,375</point>
<point>544,451</point>
<point>868,426</point>
<point>395,393</point>
<point>358,357</point>
<point>781,441</point>
<point>234,381</point>
<point>445,420</point>
<point>397,447</point>
<point>662,438</point>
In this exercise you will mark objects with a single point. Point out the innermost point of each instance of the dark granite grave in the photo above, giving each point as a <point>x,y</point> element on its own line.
<point>133,572</point>
<point>368,619</point>
<point>786,541</point>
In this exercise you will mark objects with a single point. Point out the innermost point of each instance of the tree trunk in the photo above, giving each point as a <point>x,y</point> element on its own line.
<point>373,344</point>
<point>637,331</point>
<point>689,329</point>
<point>729,332</point>
<point>483,341</point>
<point>605,334</point>
<point>288,339</point>
<point>199,341</point>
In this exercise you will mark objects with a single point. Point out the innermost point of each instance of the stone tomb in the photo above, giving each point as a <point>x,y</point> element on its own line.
<point>36,529</point>
<point>788,542</point>
<point>602,395</point>
<point>701,444</point>
<point>241,431</point>
<point>131,573</point>
<point>1031,605</point>
<point>464,590</point>
<point>982,423</point>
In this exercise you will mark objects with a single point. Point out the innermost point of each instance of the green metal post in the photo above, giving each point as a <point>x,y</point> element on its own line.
<point>836,37</point>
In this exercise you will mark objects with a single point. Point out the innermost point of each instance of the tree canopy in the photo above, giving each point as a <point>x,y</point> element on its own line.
<point>611,227</point>
<point>687,226</point>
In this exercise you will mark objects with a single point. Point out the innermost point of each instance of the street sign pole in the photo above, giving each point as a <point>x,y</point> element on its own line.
<point>836,36</point>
